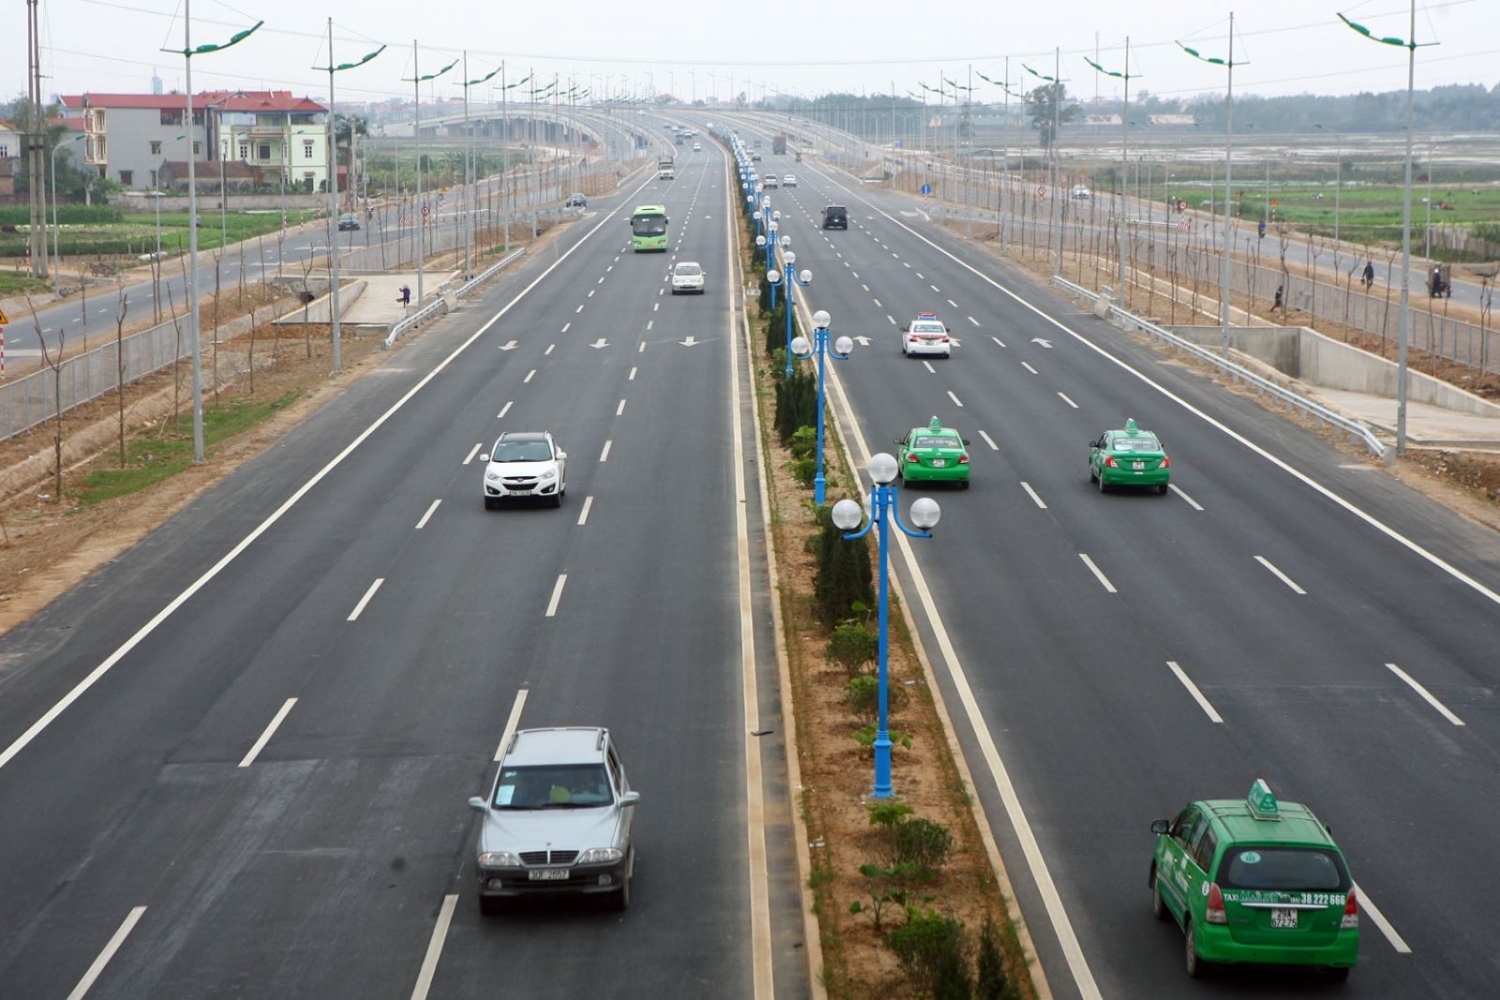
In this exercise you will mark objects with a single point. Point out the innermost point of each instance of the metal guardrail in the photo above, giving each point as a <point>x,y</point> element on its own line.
<point>1357,432</point>
<point>439,304</point>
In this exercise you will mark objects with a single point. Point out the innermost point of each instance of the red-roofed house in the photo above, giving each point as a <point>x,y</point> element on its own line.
<point>130,136</point>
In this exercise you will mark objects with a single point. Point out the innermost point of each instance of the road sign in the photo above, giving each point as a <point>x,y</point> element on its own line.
<point>1041,192</point>
<point>3,318</point>
<point>927,189</point>
<point>1275,201</point>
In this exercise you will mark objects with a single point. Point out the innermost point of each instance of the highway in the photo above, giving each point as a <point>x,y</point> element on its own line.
<point>236,761</point>
<point>1285,612</point>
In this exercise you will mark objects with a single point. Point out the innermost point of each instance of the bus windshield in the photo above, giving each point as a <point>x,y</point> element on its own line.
<point>652,224</point>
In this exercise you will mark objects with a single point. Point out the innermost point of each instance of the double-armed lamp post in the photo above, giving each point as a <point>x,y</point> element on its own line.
<point>820,347</point>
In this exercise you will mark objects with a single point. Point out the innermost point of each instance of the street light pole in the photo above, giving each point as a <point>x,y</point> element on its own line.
<point>1124,164</point>
<point>804,352</point>
<point>469,169</point>
<point>187,54</point>
<point>421,213</point>
<point>847,516</point>
<point>1224,250</point>
<point>792,280</point>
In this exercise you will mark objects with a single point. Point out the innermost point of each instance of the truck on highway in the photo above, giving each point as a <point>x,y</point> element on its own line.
<point>778,145</point>
<point>666,169</point>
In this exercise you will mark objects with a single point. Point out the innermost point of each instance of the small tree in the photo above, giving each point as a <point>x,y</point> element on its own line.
<point>844,576</point>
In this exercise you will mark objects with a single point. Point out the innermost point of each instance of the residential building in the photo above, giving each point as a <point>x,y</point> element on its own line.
<point>133,137</point>
<point>10,140</point>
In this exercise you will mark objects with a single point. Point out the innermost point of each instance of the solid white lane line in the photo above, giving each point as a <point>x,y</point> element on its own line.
<point>583,515</point>
<point>620,410</point>
<point>632,375</point>
<point>265,737</point>
<point>604,455</point>
<point>1028,367</point>
<point>1191,502</point>
<point>97,968</point>
<point>1426,695</point>
<point>1097,573</point>
<point>353,615</point>
<point>565,327</point>
<point>971,319</point>
<point>512,722</point>
<point>529,375</point>
<point>1032,493</point>
<point>435,948</point>
<point>557,589</point>
<point>1192,688</point>
<point>430,511</point>
<point>504,409</point>
<point>1367,905</point>
<point>928,366</point>
<point>1279,574</point>
<point>956,400</point>
<point>998,341</point>
<point>472,452</point>
<point>989,441</point>
<point>1065,399</point>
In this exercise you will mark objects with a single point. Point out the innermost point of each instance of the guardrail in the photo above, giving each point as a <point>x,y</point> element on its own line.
<point>1321,414</point>
<point>439,305</point>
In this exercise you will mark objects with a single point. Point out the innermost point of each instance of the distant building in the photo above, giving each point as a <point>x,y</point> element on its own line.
<point>278,137</point>
<point>10,140</point>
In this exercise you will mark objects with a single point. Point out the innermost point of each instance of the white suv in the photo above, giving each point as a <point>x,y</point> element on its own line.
<point>524,464</point>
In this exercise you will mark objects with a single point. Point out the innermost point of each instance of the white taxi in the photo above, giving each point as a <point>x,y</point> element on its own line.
<point>926,335</point>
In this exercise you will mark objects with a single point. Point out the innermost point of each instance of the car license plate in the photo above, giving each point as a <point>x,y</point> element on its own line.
<point>561,875</point>
<point>1138,466</point>
<point>1283,918</point>
<point>938,463</point>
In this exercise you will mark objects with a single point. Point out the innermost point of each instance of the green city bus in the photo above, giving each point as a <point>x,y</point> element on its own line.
<point>648,228</point>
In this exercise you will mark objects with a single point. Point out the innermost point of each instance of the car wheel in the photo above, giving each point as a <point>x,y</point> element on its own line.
<point>1337,975</point>
<point>557,499</point>
<point>1091,472</point>
<point>491,905</point>
<point>1103,487</point>
<point>963,484</point>
<point>620,899</point>
<point>1158,905</point>
<point>489,503</point>
<point>1162,488</point>
<point>1197,968</point>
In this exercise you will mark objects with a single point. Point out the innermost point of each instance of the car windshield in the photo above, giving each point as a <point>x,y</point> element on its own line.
<point>928,328</point>
<point>1283,869</point>
<point>553,786</point>
<point>1144,443</point>
<point>935,442</point>
<point>521,451</point>
<point>648,225</point>
<point>689,269</point>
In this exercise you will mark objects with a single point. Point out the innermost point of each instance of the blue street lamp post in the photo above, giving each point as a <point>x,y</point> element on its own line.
<point>791,279</point>
<point>804,352</point>
<point>847,514</point>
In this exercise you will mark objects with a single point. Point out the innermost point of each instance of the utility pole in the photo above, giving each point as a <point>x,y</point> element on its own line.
<point>36,147</point>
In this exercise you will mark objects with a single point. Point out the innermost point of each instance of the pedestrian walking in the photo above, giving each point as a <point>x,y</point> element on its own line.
<point>1278,300</point>
<point>405,295</point>
<point>1369,277</point>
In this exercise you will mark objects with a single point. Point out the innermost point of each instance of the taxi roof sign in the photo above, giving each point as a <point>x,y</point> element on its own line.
<point>926,315</point>
<point>934,424</point>
<point>1262,801</point>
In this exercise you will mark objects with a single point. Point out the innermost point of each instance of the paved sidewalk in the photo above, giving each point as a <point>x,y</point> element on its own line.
<point>1426,425</point>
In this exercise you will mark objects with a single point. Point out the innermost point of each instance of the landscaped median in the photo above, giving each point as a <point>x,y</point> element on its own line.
<point>907,899</point>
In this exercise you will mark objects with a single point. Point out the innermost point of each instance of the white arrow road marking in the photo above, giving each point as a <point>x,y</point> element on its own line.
<point>512,345</point>
<point>689,342</point>
<point>1045,343</point>
<point>862,341</point>
<point>601,342</point>
<point>1426,695</point>
<point>1187,682</point>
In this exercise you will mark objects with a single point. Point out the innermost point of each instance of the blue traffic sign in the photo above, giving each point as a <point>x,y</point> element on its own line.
<point>927,189</point>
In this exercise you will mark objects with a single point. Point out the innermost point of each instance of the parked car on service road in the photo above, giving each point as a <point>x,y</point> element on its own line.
<point>348,221</point>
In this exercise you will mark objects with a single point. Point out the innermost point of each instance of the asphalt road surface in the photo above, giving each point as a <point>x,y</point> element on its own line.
<point>1285,612</point>
<point>237,760</point>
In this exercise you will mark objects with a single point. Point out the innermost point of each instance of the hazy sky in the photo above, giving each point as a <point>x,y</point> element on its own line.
<point>811,47</point>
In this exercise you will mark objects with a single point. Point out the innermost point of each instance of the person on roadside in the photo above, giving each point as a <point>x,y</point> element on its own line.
<point>405,295</point>
<point>1278,305</point>
<point>1369,276</point>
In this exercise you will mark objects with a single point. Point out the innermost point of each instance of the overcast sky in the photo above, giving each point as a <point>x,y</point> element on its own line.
<point>809,47</point>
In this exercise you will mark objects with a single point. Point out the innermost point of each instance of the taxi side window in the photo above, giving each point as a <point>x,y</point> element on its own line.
<point>1184,826</point>
<point>1204,847</point>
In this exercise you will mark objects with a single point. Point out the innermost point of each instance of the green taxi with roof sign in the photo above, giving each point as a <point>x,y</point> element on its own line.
<point>1254,881</point>
<point>934,453</point>
<point>1129,457</point>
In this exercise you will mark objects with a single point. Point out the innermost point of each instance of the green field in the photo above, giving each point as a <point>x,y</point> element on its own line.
<point>136,234</point>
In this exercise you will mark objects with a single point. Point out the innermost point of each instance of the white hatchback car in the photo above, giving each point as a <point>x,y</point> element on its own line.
<point>524,464</point>
<point>687,277</point>
<point>790,180</point>
<point>926,335</point>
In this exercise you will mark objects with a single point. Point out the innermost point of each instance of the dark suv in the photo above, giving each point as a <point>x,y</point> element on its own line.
<point>835,217</point>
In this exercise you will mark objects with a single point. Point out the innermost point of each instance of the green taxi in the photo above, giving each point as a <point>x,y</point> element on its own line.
<point>935,454</point>
<point>1129,457</point>
<point>1254,881</point>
